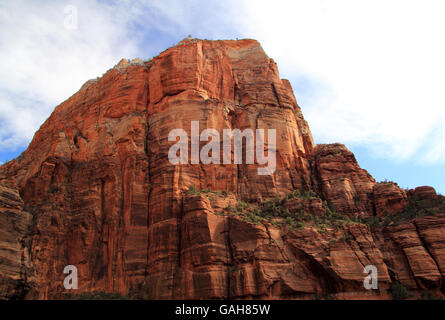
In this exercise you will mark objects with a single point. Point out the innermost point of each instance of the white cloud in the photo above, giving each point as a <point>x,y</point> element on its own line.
<point>44,63</point>
<point>434,149</point>
<point>376,69</point>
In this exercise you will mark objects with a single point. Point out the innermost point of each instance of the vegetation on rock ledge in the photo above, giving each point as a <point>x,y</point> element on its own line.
<point>277,211</point>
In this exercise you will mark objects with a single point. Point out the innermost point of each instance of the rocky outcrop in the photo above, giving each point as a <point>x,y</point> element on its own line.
<point>413,252</point>
<point>101,194</point>
<point>389,199</point>
<point>340,179</point>
<point>424,192</point>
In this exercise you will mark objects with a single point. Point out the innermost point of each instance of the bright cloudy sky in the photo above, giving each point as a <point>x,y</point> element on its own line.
<point>370,74</point>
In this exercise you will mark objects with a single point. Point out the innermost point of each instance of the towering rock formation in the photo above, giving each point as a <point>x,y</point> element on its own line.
<point>95,189</point>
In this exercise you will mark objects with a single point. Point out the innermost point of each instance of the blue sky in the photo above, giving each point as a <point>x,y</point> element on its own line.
<point>367,74</point>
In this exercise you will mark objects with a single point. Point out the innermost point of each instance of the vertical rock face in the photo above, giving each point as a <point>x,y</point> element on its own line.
<point>14,258</point>
<point>95,189</point>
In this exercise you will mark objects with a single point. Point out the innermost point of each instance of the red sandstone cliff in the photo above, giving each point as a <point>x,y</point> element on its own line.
<point>95,189</point>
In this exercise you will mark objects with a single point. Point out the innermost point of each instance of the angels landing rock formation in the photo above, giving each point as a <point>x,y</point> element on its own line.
<point>95,190</point>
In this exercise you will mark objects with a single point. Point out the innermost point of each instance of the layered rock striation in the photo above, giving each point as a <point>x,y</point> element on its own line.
<point>95,189</point>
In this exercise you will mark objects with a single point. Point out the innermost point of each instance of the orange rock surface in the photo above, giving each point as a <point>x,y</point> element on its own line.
<point>95,190</point>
